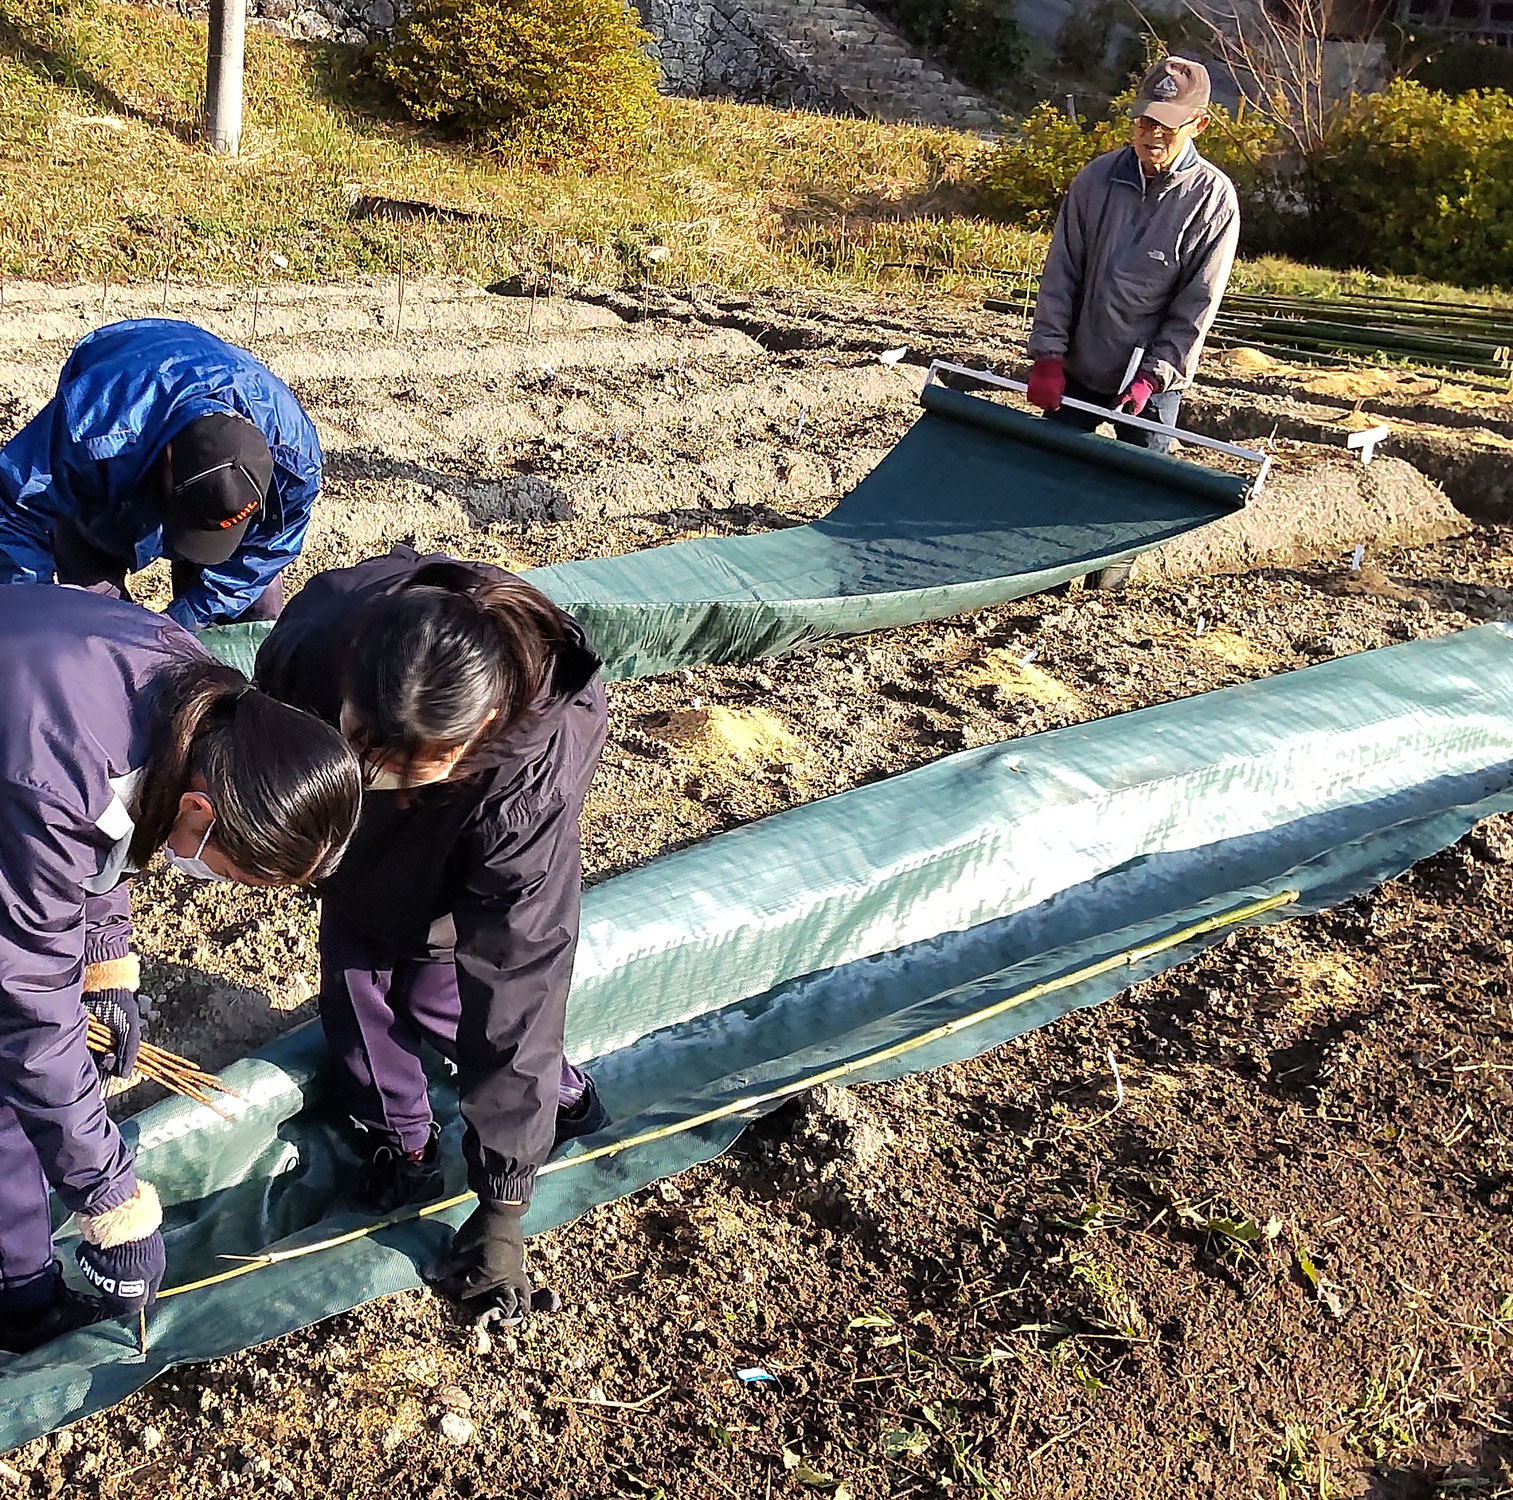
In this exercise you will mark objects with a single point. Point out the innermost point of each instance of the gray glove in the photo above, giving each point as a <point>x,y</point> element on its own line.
<point>117,1011</point>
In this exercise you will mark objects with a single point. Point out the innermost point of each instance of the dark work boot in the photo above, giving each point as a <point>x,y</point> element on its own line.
<point>21,1331</point>
<point>587,1117</point>
<point>391,1179</point>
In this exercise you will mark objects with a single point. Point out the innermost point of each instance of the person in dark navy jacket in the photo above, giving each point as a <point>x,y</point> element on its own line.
<point>120,737</point>
<point>162,440</point>
<point>477,707</point>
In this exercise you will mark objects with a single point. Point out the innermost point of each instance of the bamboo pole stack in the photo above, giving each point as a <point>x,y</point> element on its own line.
<point>176,1074</point>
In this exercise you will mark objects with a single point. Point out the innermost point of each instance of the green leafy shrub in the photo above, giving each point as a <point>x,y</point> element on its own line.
<point>1026,175</point>
<point>1417,182</point>
<point>981,39</point>
<point>549,80</point>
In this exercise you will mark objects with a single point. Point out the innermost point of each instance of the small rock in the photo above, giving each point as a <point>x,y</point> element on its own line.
<point>669,1193</point>
<point>379,13</point>
<point>8,1475</point>
<point>149,1439</point>
<point>483,1343</point>
<point>311,26</point>
<point>454,1398</point>
<point>1491,842</point>
<point>455,1429</point>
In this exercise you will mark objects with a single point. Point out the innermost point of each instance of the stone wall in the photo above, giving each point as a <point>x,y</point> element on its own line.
<point>717,48</point>
<point>705,47</point>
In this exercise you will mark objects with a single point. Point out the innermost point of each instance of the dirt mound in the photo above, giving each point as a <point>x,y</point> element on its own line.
<point>1312,510</point>
<point>832,1150</point>
<point>1246,362</point>
<point>709,735</point>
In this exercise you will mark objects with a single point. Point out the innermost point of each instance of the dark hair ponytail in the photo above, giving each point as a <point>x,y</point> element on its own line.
<point>430,662</point>
<point>285,787</point>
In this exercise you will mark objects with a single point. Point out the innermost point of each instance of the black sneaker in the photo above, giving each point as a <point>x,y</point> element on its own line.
<point>587,1117</point>
<point>69,1310</point>
<point>392,1179</point>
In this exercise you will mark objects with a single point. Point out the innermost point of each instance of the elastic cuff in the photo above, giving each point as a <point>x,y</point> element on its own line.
<point>121,973</point>
<point>512,1187</point>
<point>139,1216</point>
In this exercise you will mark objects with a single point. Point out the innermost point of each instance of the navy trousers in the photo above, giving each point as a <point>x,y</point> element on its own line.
<point>376,1016</point>
<point>78,561</point>
<point>1162,407</point>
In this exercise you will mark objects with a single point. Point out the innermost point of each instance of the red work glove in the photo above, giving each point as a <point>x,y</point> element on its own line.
<point>1047,384</point>
<point>1142,388</point>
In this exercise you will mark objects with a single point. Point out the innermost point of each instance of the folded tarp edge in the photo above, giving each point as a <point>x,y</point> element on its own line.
<point>1090,447</point>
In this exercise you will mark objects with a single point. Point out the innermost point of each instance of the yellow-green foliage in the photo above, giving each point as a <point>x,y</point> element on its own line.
<point>1416,180</point>
<point>548,79</point>
<point>1026,175</point>
<point>1408,181</point>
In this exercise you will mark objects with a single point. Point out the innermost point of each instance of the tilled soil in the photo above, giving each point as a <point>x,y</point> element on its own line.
<point>1272,1258</point>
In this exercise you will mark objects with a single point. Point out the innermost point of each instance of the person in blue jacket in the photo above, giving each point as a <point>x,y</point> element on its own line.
<point>162,440</point>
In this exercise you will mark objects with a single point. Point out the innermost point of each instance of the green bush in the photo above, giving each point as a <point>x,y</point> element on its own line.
<point>1026,175</point>
<point>1419,183</point>
<point>550,80</point>
<point>981,39</point>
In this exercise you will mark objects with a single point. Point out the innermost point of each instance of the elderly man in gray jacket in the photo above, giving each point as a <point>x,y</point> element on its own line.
<point>1141,255</point>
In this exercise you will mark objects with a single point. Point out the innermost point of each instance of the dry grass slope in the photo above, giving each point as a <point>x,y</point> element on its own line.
<point>105,179</point>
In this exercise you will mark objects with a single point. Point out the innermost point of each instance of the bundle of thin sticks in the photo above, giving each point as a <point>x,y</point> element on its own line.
<point>176,1074</point>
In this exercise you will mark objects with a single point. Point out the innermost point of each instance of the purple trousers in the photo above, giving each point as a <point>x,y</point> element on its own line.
<point>26,1238</point>
<point>376,1017</point>
<point>78,561</point>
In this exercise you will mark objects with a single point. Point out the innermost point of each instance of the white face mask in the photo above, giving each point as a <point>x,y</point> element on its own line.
<point>194,867</point>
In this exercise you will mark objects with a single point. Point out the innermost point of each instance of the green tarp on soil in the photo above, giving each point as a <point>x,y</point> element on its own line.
<point>822,935</point>
<point>977,504</point>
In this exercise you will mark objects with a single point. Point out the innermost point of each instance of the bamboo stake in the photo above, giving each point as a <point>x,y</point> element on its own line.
<point>1126,959</point>
<point>176,1074</point>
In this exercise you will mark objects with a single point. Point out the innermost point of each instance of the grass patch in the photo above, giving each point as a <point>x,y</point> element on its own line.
<point>104,177</point>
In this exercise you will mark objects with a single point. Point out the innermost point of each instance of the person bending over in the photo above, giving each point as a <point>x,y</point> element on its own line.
<point>120,737</point>
<point>162,440</point>
<point>476,706</point>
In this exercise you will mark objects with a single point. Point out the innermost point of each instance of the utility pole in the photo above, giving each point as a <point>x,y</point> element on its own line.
<point>223,75</point>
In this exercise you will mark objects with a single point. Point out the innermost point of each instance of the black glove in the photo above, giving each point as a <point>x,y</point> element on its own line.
<point>128,1276</point>
<point>117,1010</point>
<point>485,1269</point>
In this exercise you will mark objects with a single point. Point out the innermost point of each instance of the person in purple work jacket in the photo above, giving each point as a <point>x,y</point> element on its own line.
<point>477,707</point>
<point>120,737</point>
<point>162,440</point>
